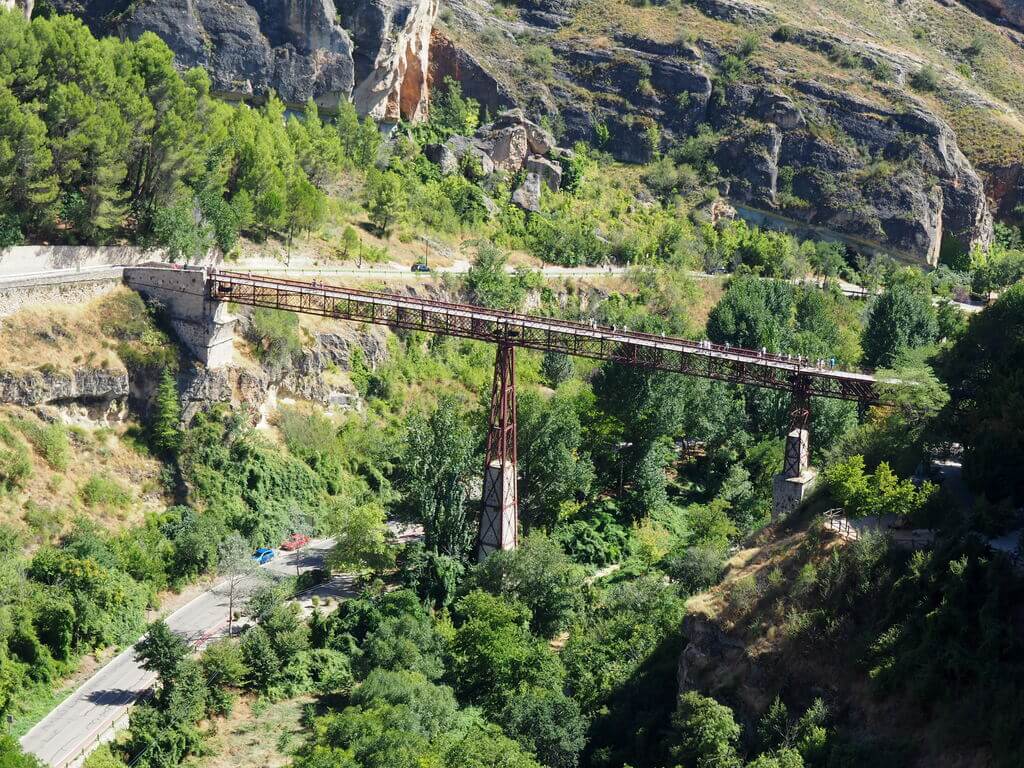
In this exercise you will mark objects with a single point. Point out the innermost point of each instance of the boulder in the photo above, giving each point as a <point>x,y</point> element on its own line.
<point>527,194</point>
<point>460,146</point>
<point>539,140</point>
<point>550,173</point>
<point>442,156</point>
<point>509,147</point>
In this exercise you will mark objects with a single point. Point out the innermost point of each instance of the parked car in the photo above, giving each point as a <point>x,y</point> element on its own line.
<point>263,555</point>
<point>294,542</point>
<point>420,267</point>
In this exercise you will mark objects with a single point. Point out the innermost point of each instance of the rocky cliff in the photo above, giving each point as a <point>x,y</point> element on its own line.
<point>817,120</point>
<point>25,5</point>
<point>372,50</point>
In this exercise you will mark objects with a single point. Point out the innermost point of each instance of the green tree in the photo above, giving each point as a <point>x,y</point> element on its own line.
<point>899,320</point>
<point>165,418</point>
<point>493,652</point>
<point>162,651</point>
<point>179,228</point>
<point>554,466</point>
<point>385,199</point>
<point>261,661</point>
<point>547,723</point>
<point>754,313</point>
<point>11,755</point>
<point>360,139</point>
<point>360,532</point>
<point>539,575</point>
<point>984,370</point>
<point>235,565</point>
<point>556,368</point>
<point>489,283</point>
<point>306,207</point>
<point>224,667</point>
<point>451,112</point>
<point>437,462</point>
<point>705,733</point>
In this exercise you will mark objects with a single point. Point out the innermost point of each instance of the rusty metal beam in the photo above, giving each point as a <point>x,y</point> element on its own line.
<point>642,350</point>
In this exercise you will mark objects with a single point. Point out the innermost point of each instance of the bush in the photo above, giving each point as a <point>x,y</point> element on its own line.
<point>10,230</point>
<point>102,490</point>
<point>925,79</point>
<point>541,60</point>
<point>50,441</point>
<point>276,336</point>
<point>15,468</point>
<point>695,568</point>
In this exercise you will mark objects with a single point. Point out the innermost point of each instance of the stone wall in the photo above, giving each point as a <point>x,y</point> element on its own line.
<point>23,293</point>
<point>34,259</point>
<point>205,327</point>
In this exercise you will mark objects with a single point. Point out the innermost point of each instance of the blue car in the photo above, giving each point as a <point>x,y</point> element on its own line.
<point>263,555</point>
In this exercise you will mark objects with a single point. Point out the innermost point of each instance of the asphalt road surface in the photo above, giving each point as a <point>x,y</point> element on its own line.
<point>89,714</point>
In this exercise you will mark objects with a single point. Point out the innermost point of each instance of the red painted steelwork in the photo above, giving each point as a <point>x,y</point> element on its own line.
<point>711,361</point>
<point>499,519</point>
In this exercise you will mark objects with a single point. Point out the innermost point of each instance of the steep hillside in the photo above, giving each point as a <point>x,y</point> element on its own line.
<point>804,614</point>
<point>894,124</point>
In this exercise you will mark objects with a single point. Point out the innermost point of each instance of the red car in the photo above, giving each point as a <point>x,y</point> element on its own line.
<point>295,541</point>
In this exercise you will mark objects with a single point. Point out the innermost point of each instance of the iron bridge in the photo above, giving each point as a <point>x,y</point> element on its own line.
<point>644,350</point>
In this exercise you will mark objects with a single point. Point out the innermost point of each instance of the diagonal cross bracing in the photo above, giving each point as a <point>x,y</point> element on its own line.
<point>705,360</point>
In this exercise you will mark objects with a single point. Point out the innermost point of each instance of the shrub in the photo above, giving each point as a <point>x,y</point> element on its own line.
<point>15,465</point>
<point>50,441</point>
<point>102,490</point>
<point>695,568</point>
<point>925,79</point>
<point>541,60</point>
<point>276,336</point>
<point>10,230</point>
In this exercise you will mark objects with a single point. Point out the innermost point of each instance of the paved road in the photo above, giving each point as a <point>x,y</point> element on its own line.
<point>91,712</point>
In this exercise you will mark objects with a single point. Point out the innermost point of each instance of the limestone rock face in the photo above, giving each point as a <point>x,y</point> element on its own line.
<point>392,56</point>
<point>26,5</point>
<point>300,49</point>
<point>1009,10</point>
<point>87,385</point>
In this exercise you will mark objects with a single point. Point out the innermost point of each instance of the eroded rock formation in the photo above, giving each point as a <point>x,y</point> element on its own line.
<point>373,50</point>
<point>392,75</point>
<point>26,5</point>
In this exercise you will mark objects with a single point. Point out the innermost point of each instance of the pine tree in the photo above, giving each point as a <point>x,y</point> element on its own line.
<point>165,426</point>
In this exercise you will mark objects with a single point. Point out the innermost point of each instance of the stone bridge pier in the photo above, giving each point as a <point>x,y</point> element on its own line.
<point>797,479</point>
<point>204,325</point>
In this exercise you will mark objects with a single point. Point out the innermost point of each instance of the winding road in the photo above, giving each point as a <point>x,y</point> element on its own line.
<point>99,708</point>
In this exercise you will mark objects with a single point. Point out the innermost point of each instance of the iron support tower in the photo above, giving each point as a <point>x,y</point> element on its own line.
<point>499,513</point>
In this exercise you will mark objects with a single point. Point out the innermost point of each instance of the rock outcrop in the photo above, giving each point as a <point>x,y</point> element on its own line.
<point>509,145</point>
<point>98,389</point>
<point>300,49</point>
<point>25,5</point>
<point>798,153</point>
<point>392,74</point>
<point>1010,11</point>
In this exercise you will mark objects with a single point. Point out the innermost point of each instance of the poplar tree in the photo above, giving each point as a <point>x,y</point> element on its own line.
<point>165,428</point>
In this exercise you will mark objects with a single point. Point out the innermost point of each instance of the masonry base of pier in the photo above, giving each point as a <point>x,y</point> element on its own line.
<point>788,493</point>
<point>203,325</point>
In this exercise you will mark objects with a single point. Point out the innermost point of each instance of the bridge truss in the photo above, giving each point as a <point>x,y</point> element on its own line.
<point>644,350</point>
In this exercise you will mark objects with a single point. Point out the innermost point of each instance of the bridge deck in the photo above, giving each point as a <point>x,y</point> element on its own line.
<point>706,360</point>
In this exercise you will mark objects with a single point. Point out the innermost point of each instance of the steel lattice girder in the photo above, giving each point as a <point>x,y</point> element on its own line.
<point>544,334</point>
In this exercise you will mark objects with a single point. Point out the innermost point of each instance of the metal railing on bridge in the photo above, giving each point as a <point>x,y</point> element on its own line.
<point>621,345</point>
